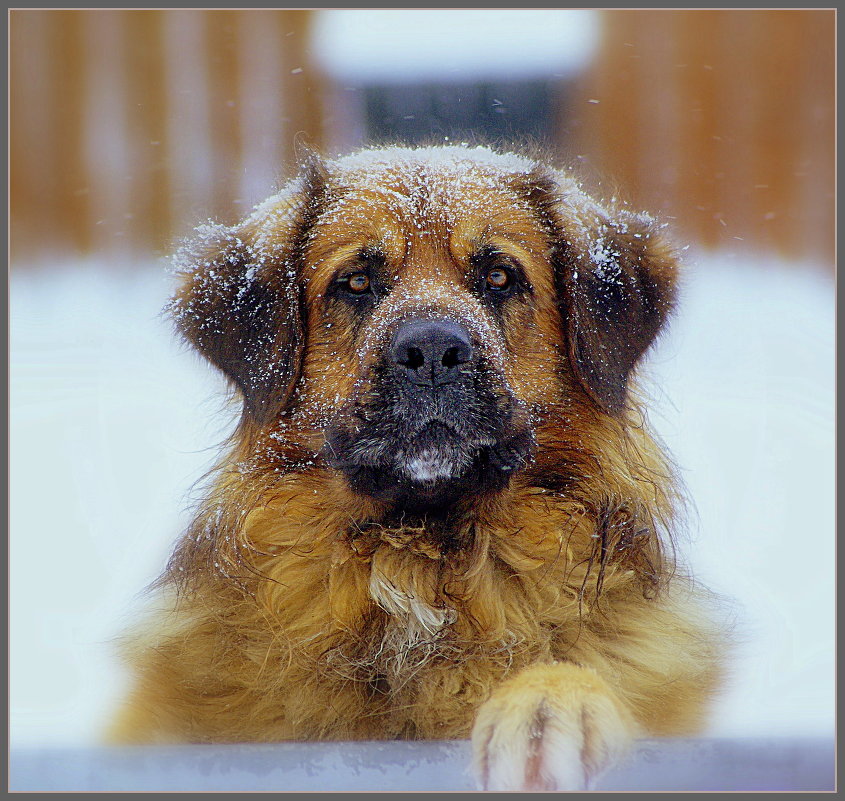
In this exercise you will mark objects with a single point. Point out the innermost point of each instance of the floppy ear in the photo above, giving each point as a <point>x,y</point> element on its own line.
<point>239,301</point>
<point>616,282</point>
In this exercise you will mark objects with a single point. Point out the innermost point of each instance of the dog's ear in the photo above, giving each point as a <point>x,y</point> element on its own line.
<point>239,298</point>
<point>616,280</point>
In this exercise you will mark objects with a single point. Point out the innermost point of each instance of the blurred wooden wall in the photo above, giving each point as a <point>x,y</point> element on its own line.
<point>128,127</point>
<point>723,119</point>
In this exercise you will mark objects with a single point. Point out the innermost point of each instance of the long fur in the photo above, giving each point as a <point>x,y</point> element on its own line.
<point>298,607</point>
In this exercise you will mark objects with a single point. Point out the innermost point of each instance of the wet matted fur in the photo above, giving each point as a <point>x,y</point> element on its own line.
<point>441,513</point>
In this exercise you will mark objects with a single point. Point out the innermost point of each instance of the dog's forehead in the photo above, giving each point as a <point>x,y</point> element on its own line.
<point>429,204</point>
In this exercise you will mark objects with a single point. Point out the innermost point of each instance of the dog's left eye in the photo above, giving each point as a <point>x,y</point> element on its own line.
<point>499,278</point>
<point>357,283</point>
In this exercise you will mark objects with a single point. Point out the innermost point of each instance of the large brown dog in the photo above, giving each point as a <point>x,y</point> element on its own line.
<point>441,513</point>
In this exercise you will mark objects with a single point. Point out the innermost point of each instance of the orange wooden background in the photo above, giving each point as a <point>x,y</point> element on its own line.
<point>128,127</point>
<point>723,119</point>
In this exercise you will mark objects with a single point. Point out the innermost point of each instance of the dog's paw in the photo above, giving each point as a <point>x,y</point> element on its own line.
<point>550,727</point>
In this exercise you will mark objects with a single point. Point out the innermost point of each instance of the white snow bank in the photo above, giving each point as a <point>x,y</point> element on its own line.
<point>388,46</point>
<point>746,404</point>
<point>112,421</point>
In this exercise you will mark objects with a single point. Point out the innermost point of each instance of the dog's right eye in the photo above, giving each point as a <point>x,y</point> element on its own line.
<point>355,283</point>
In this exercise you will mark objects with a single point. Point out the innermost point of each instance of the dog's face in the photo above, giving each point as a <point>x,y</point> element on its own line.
<point>419,312</point>
<point>427,320</point>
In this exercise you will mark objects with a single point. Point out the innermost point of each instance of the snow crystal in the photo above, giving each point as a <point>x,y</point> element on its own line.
<point>604,256</point>
<point>453,158</point>
<point>433,297</point>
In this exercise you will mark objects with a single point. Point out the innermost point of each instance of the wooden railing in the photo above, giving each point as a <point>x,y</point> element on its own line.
<point>740,764</point>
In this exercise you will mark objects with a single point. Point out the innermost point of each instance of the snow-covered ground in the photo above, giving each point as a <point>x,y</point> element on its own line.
<point>112,421</point>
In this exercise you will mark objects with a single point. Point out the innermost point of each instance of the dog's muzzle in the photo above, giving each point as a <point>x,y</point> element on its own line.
<point>438,423</point>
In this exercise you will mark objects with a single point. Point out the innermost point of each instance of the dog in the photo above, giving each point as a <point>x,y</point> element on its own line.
<point>441,514</point>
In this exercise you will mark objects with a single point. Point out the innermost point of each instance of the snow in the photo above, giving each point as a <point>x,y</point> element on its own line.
<point>112,421</point>
<point>397,46</point>
<point>747,382</point>
<point>455,159</point>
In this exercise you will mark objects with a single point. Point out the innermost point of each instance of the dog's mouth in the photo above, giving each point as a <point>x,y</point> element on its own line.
<point>440,455</point>
<point>427,463</point>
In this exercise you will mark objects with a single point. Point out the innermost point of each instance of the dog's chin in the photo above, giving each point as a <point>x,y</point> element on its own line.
<point>425,485</point>
<point>436,468</point>
<point>432,465</point>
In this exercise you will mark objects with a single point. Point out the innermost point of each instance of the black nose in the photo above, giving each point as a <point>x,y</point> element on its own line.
<point>430,351</point>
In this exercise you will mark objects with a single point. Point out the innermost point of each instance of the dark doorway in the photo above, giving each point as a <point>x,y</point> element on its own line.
<point>490,111</point>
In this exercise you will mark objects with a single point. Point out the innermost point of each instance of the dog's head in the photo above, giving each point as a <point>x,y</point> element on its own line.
<point>417,310</point>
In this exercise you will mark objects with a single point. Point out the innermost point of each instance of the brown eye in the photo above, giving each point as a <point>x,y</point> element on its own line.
<point>358,283</point>
<point>498,278</point>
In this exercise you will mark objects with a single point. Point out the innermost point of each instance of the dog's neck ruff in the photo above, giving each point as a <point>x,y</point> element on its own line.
<point>415,539</point>
<point>406,564</point>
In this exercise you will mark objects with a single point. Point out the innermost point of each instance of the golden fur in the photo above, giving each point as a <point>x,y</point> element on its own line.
<point>546,618</point>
